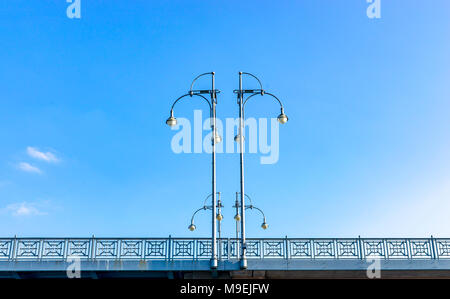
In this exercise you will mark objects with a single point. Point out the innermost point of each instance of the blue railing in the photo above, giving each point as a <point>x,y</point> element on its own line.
<point>16,249</point>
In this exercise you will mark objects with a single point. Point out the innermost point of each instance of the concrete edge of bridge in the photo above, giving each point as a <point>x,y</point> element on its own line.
<point>241,274</point>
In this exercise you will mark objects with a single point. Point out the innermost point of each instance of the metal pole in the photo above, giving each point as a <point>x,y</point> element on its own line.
<point>237,226</point>
<point>241,135</point>
<point>213,127</point>
<point>219,230</point>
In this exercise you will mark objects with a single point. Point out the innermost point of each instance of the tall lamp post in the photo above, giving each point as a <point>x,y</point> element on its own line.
<point>282,118</point>
<point>172,121</point>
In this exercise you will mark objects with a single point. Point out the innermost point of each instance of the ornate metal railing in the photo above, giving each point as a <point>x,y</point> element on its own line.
<point>168,249</point>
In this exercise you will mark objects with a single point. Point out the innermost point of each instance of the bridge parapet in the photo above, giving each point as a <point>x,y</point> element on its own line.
<point>192,249</point>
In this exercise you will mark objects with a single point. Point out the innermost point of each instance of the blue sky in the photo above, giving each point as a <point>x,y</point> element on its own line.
<point>85,150</point>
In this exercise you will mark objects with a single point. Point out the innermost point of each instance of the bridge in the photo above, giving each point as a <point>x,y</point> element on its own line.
<point>190,257</point>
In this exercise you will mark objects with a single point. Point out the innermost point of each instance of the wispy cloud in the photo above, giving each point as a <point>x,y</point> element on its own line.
<point>23,209</point>
<point>47,156</point>
<point>24,166</point>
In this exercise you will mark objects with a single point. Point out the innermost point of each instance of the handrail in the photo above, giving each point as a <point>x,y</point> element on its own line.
<point>187,248</point>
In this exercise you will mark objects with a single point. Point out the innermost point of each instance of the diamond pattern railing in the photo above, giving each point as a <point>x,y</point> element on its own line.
<point>200,248</point>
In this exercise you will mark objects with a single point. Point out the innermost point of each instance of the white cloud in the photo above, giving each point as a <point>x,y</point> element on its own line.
<point>48,156</point>
<point>29,168</point>
<point>23,209</point>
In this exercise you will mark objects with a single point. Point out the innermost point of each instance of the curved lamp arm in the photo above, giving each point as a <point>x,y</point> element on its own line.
<point>202,208</point>
<point>204,202</point>
<point>253,207</point>
<point>264,225</point>
<point>262,93</point>
<point>193,81</point>
<point>249,198</point>
<point>205,207</point>
<point>260,84</point>
<point>251,203</point>
<point>189,94</point>
<point>282,118</point>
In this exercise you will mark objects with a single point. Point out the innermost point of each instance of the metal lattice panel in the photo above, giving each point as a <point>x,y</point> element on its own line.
<point>204,249</point>
<point>28,248</point>
<point>233,245</point>
<point>324,248</point>
<point>53,248</point>
<point>106,248</point>
<point>374,248</point>
<point>253,249</point>
<point>300,249</point>
<point>131,249</point>
<point>397,248</point>
<point>79,248</point>
<point>156,249</point>
<point>273,248</point>
<point>5,249</point>
<point>443,248</point>
<point>347,248</point>
<point>183,249</point>
<point>421,248</point>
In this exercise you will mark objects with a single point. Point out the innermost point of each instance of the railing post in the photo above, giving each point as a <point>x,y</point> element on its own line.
<point>434,253</point>
<point>336,253</point>
<point>14,248</point>
<point>360,248</point>
<point>286,247</point>
<point>228,248</point>
<point>194,248</point>
<point>261,248</point>
<point>119,245</point>
<point>66,248</point>
<point>169,247</point>
<point>41,249</point>
<point>409,252</point>
<point>93,248</point>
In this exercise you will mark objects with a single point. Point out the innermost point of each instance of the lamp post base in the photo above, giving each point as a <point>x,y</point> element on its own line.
<point>214,263</point>
<point>243,263</point>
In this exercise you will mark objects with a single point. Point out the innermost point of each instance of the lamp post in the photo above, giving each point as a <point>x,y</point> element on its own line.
<point>282,118</point>
<point>219,216</point>
<point>237,216</point>
<point>172,121</point>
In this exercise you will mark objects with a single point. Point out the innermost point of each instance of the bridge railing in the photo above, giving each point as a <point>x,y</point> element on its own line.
<point>12,249</point>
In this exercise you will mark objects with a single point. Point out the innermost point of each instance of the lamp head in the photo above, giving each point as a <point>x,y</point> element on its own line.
<point>219,217</point>
<point>171,121</point>
<point>218,138</point>
<point>237,138</point>
<point>237,217</point>
<point>282,118</point>
<point>264,225</point>
<point>192,227</point>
